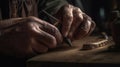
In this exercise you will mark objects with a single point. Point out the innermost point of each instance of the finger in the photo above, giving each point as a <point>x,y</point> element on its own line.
<point>78,18</point>
<point>42,36</point>
<point>53,31</point>
<point>67,19</point>
<point>93,25</point>
<point>82,30</point>
<point>38,47</point>
<point>45,26</point>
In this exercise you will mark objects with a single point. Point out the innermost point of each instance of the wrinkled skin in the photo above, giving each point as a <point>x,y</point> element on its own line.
<point>75,23</point>
<point>32,36</point>
<point>29,37</point>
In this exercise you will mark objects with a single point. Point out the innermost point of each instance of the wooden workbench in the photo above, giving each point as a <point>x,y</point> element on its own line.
<point>75,57</point>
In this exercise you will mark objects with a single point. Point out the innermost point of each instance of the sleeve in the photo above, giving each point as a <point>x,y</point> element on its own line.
<point>53,6</point>
<point>50,6</point>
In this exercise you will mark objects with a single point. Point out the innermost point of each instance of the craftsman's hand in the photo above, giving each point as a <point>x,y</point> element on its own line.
<point>29,37</point>
<point>75,23</point>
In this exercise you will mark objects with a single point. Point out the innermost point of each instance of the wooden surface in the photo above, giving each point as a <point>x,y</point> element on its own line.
<point>72,56</point>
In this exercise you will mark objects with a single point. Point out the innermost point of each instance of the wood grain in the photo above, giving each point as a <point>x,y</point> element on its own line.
<point>73,55</point>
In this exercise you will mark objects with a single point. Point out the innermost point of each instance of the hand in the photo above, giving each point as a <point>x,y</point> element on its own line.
<point>75,23</point>
<point>29,37</point>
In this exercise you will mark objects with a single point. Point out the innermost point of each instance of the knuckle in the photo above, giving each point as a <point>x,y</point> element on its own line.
<point>56,29</point>
<point>78,14</point>
<point>77,9</point>
<point>31,18</point>
<point>68,6</point>
<point>68,17</point>
<point>79,17</point>
<point>53,43</point>
<point>86,17</point>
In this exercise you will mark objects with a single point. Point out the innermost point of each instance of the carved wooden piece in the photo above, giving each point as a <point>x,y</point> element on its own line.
<point>71,56</point>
